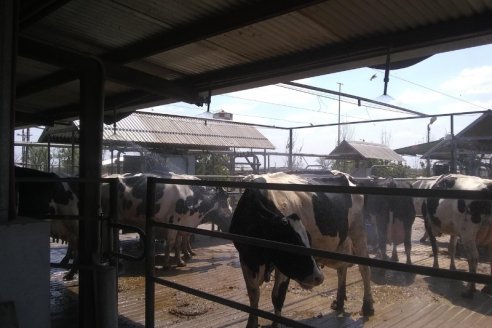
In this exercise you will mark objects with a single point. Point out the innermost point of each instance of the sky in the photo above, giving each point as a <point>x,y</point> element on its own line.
<point>451,82</point>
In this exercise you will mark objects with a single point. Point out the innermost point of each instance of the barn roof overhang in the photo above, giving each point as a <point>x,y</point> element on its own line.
<point>153,57</point>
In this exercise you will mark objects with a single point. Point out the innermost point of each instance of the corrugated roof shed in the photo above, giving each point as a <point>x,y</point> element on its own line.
<point>359,150</point>
<point>160,130</point>
<point>476,138</point>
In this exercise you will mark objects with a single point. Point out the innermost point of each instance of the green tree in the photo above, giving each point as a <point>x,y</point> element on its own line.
<point>212,164</point>
<point>66,158</point>
<point>37,158</point>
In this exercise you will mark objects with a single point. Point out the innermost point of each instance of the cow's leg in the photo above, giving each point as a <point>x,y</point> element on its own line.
<point>75,267</point>
<point>452,251</point>
<point>253,281</point>
<point>394,254</point>
<point>339,303</point>
<point>424,237</point>
<point>382,227</point>
<point>407,241</point>
<point>177,250</point>
<point>186,247</point>
<point>68,255</point>
<point>433,242</point>
<point>368,301</point>
<point>488,288</point>
<point>278,293</point>
<point>471,252</point>
<point>360,249</point>
<point>170,244</point>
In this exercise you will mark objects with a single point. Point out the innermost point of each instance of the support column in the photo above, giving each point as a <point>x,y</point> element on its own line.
<point>453,147</point>
<point>97,282</point>
<point>8,55</point>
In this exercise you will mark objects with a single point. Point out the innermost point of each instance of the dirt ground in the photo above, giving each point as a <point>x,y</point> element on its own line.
<point>216,269</point>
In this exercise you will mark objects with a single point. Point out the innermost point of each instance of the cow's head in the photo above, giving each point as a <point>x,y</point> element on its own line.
<point>302,268</point>
<point>221,210</point>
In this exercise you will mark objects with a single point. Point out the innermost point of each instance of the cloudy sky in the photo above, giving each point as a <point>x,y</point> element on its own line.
<point>452,82</point>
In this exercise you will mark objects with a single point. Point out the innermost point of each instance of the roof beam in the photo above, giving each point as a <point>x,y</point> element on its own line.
<point>322,60</point>
<point>33,11</point>
<point>151,83</point>
<point>245,16</point>
<point>124,99</point>
<point>207,28</point>
<point>120,74</point>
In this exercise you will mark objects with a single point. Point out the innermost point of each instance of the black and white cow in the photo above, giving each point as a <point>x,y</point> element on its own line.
<point>332,222</point>
<point>470,220</point>
<point>177,204</point>
<point>393,216</point>
<point>39,199</point>
<point>422,183</point>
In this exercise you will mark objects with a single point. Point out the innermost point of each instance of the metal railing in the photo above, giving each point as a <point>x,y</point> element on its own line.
<point>151,279</point>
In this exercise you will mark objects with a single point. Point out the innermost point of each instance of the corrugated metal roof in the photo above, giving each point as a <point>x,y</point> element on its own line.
<point>222,45</point>
<point>358,150</point>
<point>174,131</point>
<point>475,138</point>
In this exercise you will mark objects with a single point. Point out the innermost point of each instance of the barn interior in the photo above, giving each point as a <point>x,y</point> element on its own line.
<point>99,61</point>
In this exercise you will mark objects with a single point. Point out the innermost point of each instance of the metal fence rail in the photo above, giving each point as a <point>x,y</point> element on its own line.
<point>151,279</point>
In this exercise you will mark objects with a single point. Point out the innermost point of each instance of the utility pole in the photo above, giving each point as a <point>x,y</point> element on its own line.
<point>339,102</point>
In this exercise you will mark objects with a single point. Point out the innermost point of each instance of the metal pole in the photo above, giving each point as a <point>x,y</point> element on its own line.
<point>93,312</point>
<point>386,73</point>
<point>8,55</point>
<point>73,154</point>
<point>428,159</point>
<point>431,121</point>
<point>453,147</point>
<point>290,149</point>
<point>28,139</point>
<point>49,154</point>
<point>339,104</point>
<point>149,256</point>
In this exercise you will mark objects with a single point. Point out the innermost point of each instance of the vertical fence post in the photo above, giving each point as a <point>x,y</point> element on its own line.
<point>149,256</point>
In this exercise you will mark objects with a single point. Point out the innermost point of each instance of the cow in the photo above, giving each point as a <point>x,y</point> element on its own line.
<point>332,222</point>
<point>185,205</point>
<point>40,199</point>
<point>422,183</point>
<point>392,215</point>
<point>470,220</point>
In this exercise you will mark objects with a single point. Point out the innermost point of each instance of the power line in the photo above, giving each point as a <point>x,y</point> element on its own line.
<point>437,91</point>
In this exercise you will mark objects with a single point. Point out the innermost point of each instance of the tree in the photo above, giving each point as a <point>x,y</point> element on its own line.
<point>212,164</point>
<point>37,158</point>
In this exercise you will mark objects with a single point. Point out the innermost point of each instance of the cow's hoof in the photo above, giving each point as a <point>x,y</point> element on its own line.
<point>367,309</point>
<point>337,306</point>
<point>487,289</point>
<point>252,322</point>
<point>187,257</point>
<point>395,259</point>
<point>452,267</point>
<point>181,264</point>
<point>468,294</point>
